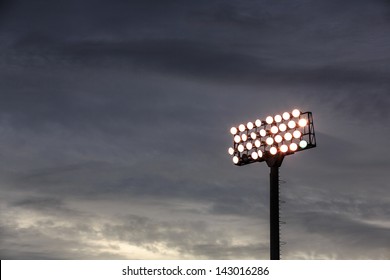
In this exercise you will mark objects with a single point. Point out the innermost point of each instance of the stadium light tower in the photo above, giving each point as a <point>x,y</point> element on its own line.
<point>270,140</point>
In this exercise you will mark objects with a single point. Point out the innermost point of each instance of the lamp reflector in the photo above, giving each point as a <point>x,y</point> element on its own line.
<point>302,122</point>
<point>296,113</point>
<point>293,147</point>
<point>297,134</point>
<point>291,124</point>
<point>233,130</point>
<point>278,138</point>
<point>269,120</point>
<point>303,144</point>
<point>283,148</point>
<point>254,155</point>
<point>282,127</point>
<point>288,136</point>
<point>269,141</point>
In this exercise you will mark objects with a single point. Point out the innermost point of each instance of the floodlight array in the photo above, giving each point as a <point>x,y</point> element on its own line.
<point>284,134</point>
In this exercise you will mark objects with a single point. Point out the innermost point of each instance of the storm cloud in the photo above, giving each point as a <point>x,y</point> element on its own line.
<point>115,118</point>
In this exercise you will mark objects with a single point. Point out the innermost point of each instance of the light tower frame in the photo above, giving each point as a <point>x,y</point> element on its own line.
<point>271,140</point>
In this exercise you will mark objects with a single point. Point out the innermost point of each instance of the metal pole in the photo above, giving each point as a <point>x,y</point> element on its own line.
<point>274,213</point>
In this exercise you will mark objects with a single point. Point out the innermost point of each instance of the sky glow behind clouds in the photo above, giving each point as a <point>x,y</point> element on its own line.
<point>115,118</point>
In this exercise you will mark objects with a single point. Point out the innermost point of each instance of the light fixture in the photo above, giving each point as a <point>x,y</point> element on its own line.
<point>269,120</point>
<point>296,113</point>
<point>241,127</point>
<point>233,130</point>
<point>240,148</point>
<point>303,144</point>
<point>288,136</point>
<point>254,155</point>
<point>237,138</point>
<point>297,134</point>
<point>258,123</point>
<point>293,147</point>
<point>278,118</point>
<point>249,125</point>
<point>286,116</point>
<point>274,129</point>
<point>284,148</point>
<point>282,127</point>
<point>302,122</point>
<point>244,137</point>
<point>269,141</point>
<point>273,150</point>
<point>231,151</point>
<point>253,135</point>
<point>291,124</point>
<point>249,146</point>
<point>278,138</point>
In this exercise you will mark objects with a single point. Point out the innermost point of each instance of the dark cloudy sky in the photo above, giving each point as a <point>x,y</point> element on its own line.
<point>115,118</point>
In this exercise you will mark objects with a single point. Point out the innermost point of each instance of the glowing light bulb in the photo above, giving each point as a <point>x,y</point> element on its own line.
<point>283,148</point>
<point>257,143</point>
<point>231,151</point>
<point>296,113</point>
<point>303,144</point>
<point>244,137</point>
<point>241,127</point>
<point>274,129</point>
<point>302,122</point>
<point>253,135</point>
<point>237,138</point>
<point>288,136</point>
<point>263,132</point>
<point>254,155</point>
<point>249,146</point>
<point>235,159</point>
<point>291,124</point>
<point>278,138</point>
<point>286,116</point>
<point>297,134</point>
<point>240,148</point>
<point>258,122</point>
<point>260,153</point>
<point>282,127</point>
<point>269,141</point>
<point>278,118</point>
<point>293,147</point>
<point>249,125</point>
<point>273,151</point>
<point>269,120</point>
<point>233,130</point>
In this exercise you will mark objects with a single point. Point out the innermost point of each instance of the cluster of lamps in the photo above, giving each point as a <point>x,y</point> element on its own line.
<point>285,133</point>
